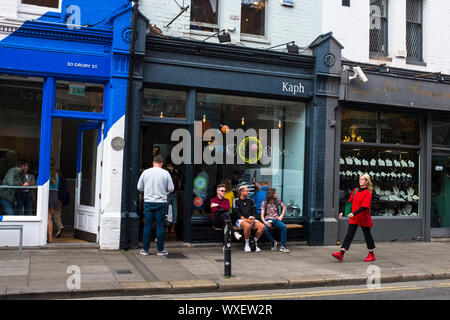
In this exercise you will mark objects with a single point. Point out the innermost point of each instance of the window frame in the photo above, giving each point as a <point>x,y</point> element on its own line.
<point>416,23</point>
<point>250,36</point>
<point>36,10</point>
<point>213,26</point>
<point>384,18</point>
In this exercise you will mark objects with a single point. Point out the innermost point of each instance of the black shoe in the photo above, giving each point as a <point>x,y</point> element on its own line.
<point>59,234</point>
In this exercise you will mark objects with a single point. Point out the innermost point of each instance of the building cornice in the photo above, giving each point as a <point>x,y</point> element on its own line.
<point>200,48</point>
<point>55,31</point>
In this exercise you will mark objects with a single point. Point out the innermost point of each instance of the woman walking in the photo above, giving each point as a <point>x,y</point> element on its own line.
<point>359,216</point>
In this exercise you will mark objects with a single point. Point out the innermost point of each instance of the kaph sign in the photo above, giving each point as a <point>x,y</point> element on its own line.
<point>293,88</point>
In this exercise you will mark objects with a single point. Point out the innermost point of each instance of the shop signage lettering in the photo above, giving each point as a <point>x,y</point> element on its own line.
<point>293,88</point>
<point>82,65</point>
<point>401,92</point>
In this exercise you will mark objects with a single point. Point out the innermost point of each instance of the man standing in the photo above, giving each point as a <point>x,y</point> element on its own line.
<point>244,208</point>
<point>260,196</point>
<point>8,195</point>
<point>156,183</point>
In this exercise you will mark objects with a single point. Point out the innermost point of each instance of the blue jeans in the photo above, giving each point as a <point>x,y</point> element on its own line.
<point>7,206</point>
<point>25,204</point>
<point>280,225</point>
<point>154,211</point>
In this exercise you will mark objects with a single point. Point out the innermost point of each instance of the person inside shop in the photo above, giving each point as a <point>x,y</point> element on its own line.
<point>26,196</point>
<point>220,211</point>
<point>244,208</point>
<point>229,194</point>
<point>172,208</point>
<point>359,216</point>
<point>270,216</point>
<point>53,199</point>
<point>8,196</point>
<point>259,197</point>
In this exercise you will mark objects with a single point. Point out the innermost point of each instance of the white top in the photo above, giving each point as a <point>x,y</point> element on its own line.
<point>156,184</point>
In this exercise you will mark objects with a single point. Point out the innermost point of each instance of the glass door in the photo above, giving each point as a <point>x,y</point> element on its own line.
<point>87,191</point>
<point>440,196</point>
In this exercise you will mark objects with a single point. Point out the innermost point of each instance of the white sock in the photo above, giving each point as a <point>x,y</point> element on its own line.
<point>247,241</point>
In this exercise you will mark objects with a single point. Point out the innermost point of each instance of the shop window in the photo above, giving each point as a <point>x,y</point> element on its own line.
<point>414,30</point>
<point>253,17</point>
<point>164,103</point>
<point>359,126</point>
<point>441,132</point>
<point>77,96</point>
<point>394,175</point>
<point>204,15</point>
<point>269,150</point>
<point>400,129</point>
<point>43,3</point>
<point>20,126</point>
<point>378,43</point>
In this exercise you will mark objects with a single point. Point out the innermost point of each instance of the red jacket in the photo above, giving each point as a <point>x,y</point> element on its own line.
<point>362,199</point>
<point>223,204</point>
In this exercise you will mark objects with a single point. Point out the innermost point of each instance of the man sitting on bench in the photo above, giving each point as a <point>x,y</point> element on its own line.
<point>245,209</point>
<point>220,208</point>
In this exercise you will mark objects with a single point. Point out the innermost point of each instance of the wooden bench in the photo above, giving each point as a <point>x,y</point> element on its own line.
<point>288,226</point>
<point>14,227</point>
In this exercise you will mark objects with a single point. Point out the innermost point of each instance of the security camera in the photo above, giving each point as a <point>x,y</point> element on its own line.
<point>358,74</point>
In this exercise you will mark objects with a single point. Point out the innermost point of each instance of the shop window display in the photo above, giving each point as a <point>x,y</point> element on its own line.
<point>359,126</point>
<point>20,126</point>
<point>164,103</point>
<point>279,150</point>
<point>79,96</point>
<point>394,174</point>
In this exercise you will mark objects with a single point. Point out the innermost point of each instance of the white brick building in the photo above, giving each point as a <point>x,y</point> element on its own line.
<point>307,19</point>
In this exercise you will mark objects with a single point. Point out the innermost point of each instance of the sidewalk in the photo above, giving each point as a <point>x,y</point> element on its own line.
<point>42,273</point>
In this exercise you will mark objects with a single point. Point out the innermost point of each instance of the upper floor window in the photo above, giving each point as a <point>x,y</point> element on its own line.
<point>253,17</point>
<point>43,3</point>
<point>204,15</point>
<point>414,30</point>
<point>378,42</point>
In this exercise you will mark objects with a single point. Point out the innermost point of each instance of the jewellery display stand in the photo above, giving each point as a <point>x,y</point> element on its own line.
<point>394,177</point>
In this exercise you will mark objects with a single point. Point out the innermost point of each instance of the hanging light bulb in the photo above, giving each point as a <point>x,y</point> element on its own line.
<point>204,118</point>
<point>161,115</point>
<point>279,124</point>
<point>242,121</point>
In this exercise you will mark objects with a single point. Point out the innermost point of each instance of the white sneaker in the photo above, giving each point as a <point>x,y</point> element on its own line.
<point>284,249</point>
<point>162,253</point>
<point>237,235</point>
<point>273,247</point>
<point>247,248</point>
<point>257,248</point>
<point>144,253</point>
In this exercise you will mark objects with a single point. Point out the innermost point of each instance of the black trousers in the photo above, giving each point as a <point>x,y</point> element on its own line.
<point>220,220</point>
<point>351,234</point>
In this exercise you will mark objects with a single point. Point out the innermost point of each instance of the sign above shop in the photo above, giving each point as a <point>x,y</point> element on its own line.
<point>400,92</point>
<point>288,3</point>
<point>294,88</point>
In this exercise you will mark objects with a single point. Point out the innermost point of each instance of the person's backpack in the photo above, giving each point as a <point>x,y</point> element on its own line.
<point>64,194</point>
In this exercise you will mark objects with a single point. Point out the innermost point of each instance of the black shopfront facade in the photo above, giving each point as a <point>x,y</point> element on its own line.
<point>280,101</point>
<point>396,127</point>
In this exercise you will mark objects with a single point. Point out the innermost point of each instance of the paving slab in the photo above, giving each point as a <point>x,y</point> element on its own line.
<point>194,286</point>
<point>146,288</point>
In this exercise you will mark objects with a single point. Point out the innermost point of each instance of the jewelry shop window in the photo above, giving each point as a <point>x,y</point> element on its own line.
<point>164,103</point>
<point>394,171</point>
<point>78,96</point>
<point>260,141</point>
<point>20,126</point>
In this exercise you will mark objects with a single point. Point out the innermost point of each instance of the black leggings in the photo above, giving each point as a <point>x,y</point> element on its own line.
<point>351,233</point>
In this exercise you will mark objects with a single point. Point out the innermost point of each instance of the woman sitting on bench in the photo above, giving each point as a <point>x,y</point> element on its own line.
<point>271,218</point>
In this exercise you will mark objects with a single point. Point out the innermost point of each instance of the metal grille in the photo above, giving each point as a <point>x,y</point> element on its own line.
<point>414,29</point>
<point>378,28</point>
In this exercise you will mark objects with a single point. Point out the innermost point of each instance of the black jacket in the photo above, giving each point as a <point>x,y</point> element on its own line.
<point>244,208</point>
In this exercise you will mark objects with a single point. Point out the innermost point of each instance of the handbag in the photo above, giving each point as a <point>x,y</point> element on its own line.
<point>348,205</point>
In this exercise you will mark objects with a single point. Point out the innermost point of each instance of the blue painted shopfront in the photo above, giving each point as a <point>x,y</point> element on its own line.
<point>96,52</point>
